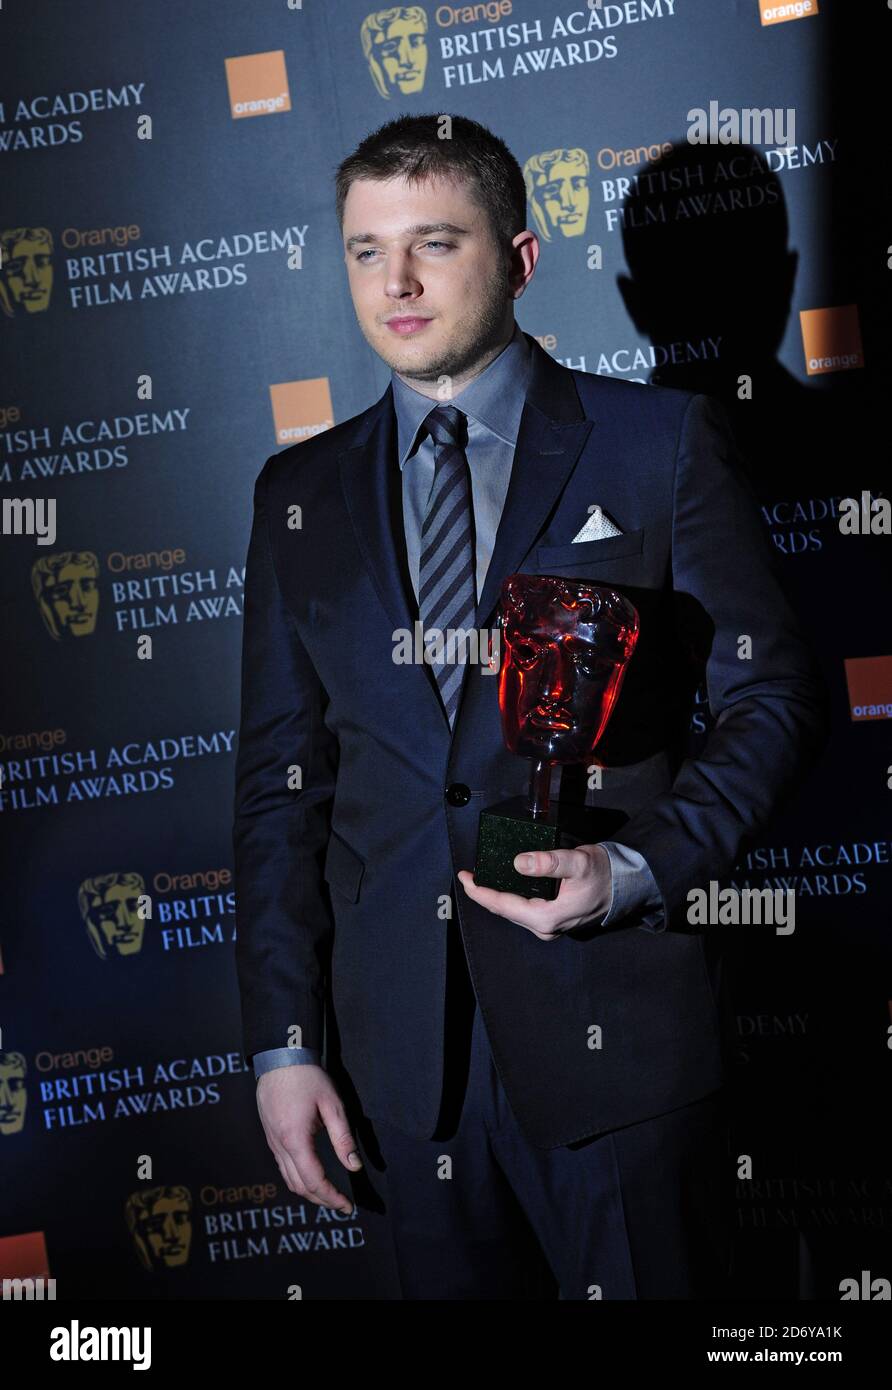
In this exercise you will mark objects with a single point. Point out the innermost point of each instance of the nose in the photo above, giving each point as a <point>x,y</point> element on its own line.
<point>401,282</point>
<point>553,673</point>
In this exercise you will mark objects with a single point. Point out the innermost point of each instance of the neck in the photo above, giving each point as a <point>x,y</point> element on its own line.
<point>430,385</point>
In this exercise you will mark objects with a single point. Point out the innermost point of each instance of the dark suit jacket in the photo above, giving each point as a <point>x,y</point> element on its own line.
<point>340,881</point>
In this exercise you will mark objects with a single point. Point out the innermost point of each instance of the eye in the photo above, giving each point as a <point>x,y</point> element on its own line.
<point>586,663</point>
<point>446,245</point>
<point>362,254</point>
<point>525,654</point>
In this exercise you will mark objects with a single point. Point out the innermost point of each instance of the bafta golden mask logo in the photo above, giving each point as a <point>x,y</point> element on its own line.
<point>26,270</point>
<point>13,1095</point>
<point>108,905</point>
<point>557,187</point>
<point>66,586</point>
<point>394,42</point>
<point>160,1221</point>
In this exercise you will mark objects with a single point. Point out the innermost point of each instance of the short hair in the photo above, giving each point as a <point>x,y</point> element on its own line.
<point>411,147</point>
<point>545,162</point>
<point>94,888</point>
<point>141,1204</point>
<point>46,570</point>
<point>13,235</point>
<point>378,20</point>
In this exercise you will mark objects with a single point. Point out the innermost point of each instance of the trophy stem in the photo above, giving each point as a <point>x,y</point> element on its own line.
<point>540,787</point>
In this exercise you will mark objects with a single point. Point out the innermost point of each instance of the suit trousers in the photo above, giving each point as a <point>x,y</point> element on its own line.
<point>479,1212</point>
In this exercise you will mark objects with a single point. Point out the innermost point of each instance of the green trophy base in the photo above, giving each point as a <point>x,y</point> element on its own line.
<point>509,828</point>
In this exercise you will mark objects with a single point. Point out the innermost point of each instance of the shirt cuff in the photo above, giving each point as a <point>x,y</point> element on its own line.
<point>633,887</point>
<point>274,1057</point>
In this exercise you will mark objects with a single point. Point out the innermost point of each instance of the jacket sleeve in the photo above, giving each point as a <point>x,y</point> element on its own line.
<point>271,1058</point>
<point>633,889</point>
<point>767,697</point>
<point>285,774</point>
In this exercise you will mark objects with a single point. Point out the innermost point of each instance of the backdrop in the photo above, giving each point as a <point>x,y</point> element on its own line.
<point>173,310</point>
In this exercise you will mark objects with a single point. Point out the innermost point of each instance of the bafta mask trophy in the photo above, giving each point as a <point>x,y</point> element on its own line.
<point>566,644</point>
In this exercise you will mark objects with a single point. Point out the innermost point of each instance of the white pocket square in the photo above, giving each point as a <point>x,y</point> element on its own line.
<point>597,527</point>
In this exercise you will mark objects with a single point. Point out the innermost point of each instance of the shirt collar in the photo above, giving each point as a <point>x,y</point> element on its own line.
<point>495,398</point>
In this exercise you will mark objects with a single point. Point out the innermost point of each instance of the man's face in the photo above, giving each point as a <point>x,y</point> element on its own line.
<point>564,194</point>
<point>401,53</point>
<point>29,274</point>
<point>115,924</point>
<point>167,1231</point>
<point>567,644</point>
<point>13,1095</point>
<point>554,690</point>
<point>74,597</point>
<point>429,284</point>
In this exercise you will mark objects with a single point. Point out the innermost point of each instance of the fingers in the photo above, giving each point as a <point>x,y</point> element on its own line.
<point>510,905</point>
<point>334,1118</point>
<point>316,1185</point>
<point>553,863</point>
<point>305,1177</point>
<point>290,1129</point>
<point>547,919</point>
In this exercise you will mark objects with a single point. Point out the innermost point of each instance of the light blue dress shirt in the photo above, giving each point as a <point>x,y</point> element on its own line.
<point>493,403</point>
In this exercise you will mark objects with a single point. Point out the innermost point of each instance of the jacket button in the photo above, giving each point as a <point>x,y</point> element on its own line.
<point>458,794</point>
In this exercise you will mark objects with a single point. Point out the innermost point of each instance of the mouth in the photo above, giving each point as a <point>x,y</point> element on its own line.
<point>406,325</point>
<point>552,718</point>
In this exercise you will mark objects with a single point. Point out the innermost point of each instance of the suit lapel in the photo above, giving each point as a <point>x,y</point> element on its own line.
<point>371,484</point>
<point>553,430</point>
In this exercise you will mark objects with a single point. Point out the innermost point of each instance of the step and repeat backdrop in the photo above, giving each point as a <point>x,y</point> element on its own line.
<point>173,310</point>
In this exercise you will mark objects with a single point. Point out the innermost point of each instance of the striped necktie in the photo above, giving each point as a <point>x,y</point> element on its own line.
<point>446,582</point>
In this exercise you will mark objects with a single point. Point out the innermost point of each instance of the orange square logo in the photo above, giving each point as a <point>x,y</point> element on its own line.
<point>831,339</point>
<point>301,409</point>
<point>869,679</point>
<point>24,1257</point>
<point>776,13</point>
<point>258,84</point>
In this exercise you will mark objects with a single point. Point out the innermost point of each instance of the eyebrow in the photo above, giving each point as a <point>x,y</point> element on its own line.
<point>420,229</point>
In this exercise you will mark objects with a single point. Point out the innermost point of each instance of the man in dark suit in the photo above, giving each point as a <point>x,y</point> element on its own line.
<point>533,1084</point>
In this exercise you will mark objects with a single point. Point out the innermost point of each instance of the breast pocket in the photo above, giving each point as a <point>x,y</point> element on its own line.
<point>588,554</point>
<point>343,868</point>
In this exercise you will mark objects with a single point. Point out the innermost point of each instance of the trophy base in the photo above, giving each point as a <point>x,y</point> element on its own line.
<point>509,828</point>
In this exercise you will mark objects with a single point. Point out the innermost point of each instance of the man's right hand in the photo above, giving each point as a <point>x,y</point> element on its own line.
<point>294,1104</point>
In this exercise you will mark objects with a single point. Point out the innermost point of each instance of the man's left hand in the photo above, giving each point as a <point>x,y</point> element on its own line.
<point>584,893</point>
